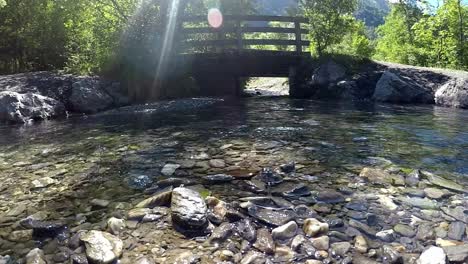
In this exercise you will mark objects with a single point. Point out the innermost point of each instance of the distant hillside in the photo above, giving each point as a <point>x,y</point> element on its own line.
<point>372,12</point>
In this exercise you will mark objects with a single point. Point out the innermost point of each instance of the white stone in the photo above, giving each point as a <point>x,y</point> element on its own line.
<point>432,255</point>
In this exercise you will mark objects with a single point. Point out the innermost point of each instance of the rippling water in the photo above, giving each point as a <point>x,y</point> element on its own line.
<point>116,155</point>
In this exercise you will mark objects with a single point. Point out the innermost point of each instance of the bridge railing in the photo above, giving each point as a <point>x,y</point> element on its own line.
<point>231,35</point>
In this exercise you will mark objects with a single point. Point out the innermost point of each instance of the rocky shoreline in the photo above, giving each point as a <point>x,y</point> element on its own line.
<point>388,83</point>
<point>43,95</point>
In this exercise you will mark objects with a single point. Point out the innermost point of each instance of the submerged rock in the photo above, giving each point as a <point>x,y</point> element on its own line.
<point>271,216</point>
<point>35,256</point>
<point>218,178</point>
<point>22,108</point>
<point>189,210</point>
<point>285,231</point>
<point>161,198</point>
<point>422,203</point>
<point>313,227</point>
<point>264,241</point>
<point>448,184</point>
<point>102,247</point>
<point>247,230</point>
<point>432,255</point>
<point>169,169</point>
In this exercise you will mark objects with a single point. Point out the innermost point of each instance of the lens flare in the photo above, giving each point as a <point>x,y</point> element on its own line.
<point>215,18</point>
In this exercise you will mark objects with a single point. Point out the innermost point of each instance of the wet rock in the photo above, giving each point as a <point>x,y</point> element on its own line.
<point>456,230</point>
<point>218,178</point>
<point>330,197</point>
<point>270,216</point>
<point>321,243</point>
<point>404,230</point>
<point>457,213</point>
<point>173,182</point>
<point>303,246</point>
<point>358,258</point>
<point>161,198</point>
<point>22,108</point>
<point>285,232</point>
<point>43,182</point>
<point>222,232</point>
<point>100,203</point>
<point>357,206</point>
<point>138,213</point>
<point>413,178</point>
<point>453,94</point>
<point>392,256</point>
<point>340,248</point>
<point>362,227</point>
<point>189,210</point>
<point>87,97</point>
<point>169,169</point>
<point>432,255</point>
<point>447,243</point>
<point>448,184</point>
<point>20,236</point>
<point>291,189</point>
<point>35,256</point>
<point>421,203</point>
<point>116,225</point>
<point>44,229</point>
<point>217,163</point>
<point>289,167</point>
<point>425,232</point>
<point>378,176</point>
<point>102,247</point>
<point>386,235</point>
<point>246,230</point>
<point>360,244</point>
<point>186,257</point>
<point>313,227</point>
<point>253,257</point>
<point>138,181</point>
<point>284,254</point>
<point>393,88</point>
<point>217,209</point>
<point>6,260</point>
<point>457,253</point>
<point>264,241</point>
<point>434,193</point>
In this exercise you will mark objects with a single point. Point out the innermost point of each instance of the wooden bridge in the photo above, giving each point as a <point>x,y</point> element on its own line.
<point>219,57</point>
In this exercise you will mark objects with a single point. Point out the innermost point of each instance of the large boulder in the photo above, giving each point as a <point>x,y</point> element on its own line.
<point>88,97</point>
<point>327,73</point>
<point>189,210</point>
<point>453,94</point>
<point>394,88</point>
<point>22,108</point>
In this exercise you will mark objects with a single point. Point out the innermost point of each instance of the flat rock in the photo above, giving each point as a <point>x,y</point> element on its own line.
<point>379,176</point>
<point>102,247</point>
<point>169,169</point>
<point>448,184</point>
<point>457,253</point>
<point>422,203</point>
<point>218,178</point>
<point>161,198</point>
<point>457,213</point>
<point>340,248</point>
<point>330,197</point>
<point>217,163</point>
<point>457,231</point>
<point>434,193</point>
<point>432,255</point>
<point>271,216</point>
<point>404,230</point>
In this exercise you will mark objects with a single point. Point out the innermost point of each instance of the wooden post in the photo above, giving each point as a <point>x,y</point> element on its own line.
<point>240,45</point>
<point>297,26</point>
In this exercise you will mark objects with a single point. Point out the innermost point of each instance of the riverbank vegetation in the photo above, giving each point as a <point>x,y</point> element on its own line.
<point>89,36</point>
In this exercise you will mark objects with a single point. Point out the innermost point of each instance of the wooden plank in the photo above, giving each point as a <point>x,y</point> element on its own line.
<point>249,18</point>
<point>233,42</point>
<point>229,29</point>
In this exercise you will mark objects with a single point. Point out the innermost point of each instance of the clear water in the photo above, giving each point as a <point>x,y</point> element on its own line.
<point>96,156</point>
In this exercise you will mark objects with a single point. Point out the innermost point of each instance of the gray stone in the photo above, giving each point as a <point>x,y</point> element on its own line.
<point>390,255</point>
<point>413,178</point>
<point>456,230</point>
<point>328,73</point>
<point>285,232</point>
<point>102,247</point>
<point>432,255</point>
<point>169,169</point>
<point>23,108</point>
<point>404,230</point>
<point>189,210</point>
<point>100,203</point>
<point>378,176</point>
<point>246,230</point>
<point>422,203</point>
<point>321,243</point>
<point>313,227</point>
<point>434,193</point>
<point>116,225</point>
<point>457,213</point>
<point>393,88</point>
<point>222,232</point>
<point>161,198</point>
<point>264,241</point>
<point>218,178</point>
<point>340,248</point>
<point>453,94</point>
<point>270,216</point>
<point>448,184</point>
<point>35,256</point>
<point>87,96</point>
<point>457,253</point>
<point>386,235</point>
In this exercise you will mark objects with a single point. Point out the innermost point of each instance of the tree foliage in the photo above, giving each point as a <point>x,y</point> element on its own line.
<point>329,20</point>
<point>431,38</point>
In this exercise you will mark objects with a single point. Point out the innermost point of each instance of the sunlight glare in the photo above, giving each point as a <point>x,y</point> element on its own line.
<point>215,18</point>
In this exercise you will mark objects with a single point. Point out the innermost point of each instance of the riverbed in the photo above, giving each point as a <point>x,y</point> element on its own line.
<point>360,169</point>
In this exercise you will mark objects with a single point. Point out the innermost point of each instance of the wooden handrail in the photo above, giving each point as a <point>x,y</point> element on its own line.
<point>233,26</point>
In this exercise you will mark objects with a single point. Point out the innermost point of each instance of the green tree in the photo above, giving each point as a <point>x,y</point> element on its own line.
<point>355,42</point>
<point>330,20</point>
